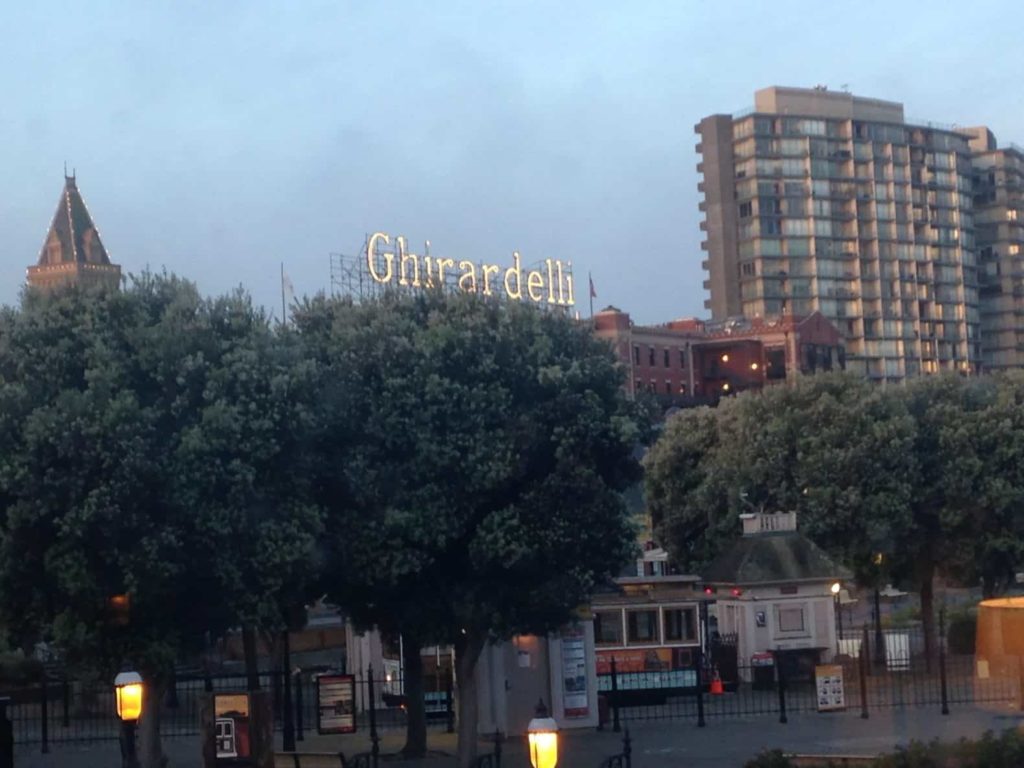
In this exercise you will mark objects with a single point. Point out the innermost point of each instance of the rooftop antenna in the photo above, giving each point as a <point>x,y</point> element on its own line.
<point>845,87</point>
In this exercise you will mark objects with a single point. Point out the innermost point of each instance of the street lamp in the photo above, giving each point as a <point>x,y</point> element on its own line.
<point>128,699</point>
<point>835,588</point>
<point>542,735</point>
<point>879,561</point>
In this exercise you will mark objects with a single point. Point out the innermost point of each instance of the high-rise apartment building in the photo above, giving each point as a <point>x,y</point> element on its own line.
<point>999,225</point>
<point>823,201</point>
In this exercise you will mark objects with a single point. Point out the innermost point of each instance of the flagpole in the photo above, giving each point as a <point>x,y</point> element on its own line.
<point>284,310</point>
<point>590,285</point>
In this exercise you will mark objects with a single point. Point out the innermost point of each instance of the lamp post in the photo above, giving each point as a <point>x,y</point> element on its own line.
<point>879,640</point>
<point>128,699</point>
<point>838,609</point>
<point>542,736</point>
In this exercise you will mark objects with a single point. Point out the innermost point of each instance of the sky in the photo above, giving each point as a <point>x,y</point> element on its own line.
<point>221,139</point>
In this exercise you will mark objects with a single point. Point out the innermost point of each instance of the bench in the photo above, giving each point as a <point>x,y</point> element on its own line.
<point>833,761</point>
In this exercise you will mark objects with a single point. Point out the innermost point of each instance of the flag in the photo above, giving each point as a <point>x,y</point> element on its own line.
<point>286,285</point>
<point>593,293</point>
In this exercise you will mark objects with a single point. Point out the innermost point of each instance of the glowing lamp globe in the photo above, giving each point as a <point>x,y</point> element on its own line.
<point>835,588</point>
<point>128,692</point>
<point>542,735</point>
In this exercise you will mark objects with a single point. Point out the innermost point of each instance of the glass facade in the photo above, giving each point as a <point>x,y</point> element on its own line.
<point>870,223</point>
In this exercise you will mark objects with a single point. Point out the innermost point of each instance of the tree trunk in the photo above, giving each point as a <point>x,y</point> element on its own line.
<point>272,640</point>
<point>252,663</point>
<point>416,715</point>
<point>988,586</point>
<point>467,653</point>
<point>928,614</point>
<point>149,749</point>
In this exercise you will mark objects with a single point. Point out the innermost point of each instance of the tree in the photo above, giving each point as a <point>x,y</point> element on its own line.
<point>985,498</point>
<point>145,438</point>
<point>926,475</point>
<point>831,447</point>
<point>487,448</point>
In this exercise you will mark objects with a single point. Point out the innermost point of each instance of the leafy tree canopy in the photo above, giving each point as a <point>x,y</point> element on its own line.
<point>486,447</point>
<point>145,441</point>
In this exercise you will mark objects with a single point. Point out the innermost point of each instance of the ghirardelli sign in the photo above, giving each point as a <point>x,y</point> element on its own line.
<point>550,282</point>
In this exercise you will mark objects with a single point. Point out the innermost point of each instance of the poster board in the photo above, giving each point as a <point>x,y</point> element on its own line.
<point>574,672</point>
<point>828,680</point>
<point>336,704</point>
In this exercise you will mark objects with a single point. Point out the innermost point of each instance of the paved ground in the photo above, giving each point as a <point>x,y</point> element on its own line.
<point>656,744</point>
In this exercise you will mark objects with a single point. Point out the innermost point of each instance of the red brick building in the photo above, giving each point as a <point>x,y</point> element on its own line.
<point>692,361</point>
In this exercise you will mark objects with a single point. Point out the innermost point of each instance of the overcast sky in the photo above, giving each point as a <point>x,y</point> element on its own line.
<point>218,139</point>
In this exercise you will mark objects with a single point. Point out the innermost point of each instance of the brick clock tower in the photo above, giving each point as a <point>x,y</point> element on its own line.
<point>73,253</point>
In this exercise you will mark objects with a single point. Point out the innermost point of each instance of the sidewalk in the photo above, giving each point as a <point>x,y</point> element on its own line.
<point>656,744</point>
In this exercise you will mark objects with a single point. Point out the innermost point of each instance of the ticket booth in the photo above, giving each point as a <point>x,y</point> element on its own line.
<point>558,669</point>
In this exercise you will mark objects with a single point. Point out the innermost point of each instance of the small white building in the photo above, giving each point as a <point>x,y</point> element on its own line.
<point>774,594</point>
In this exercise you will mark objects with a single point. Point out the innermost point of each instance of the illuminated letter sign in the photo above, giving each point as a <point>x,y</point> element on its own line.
<point>371,258</point>
<point>550,284</point>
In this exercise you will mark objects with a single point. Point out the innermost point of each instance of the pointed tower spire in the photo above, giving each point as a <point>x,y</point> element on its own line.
<point>73,252</point>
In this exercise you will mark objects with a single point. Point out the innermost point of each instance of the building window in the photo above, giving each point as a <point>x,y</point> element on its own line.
<point>666,351</point>
<point>608,627</point>
<point>680,625</point>
<point>639,387</point>
<point>682,358</point>
<point>682,389</point>
<point>746,210</point>
<point>636,354</point>
<point>775,367</point>
<point>642,626</point>
<point>791,619</point>
<point>650,356</point>
<point>668,387</point>
<point>747,269</point>
<point>654,386</point>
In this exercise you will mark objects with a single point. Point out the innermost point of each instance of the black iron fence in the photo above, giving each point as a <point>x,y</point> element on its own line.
<point>858,677</point>
<point>60,709</point>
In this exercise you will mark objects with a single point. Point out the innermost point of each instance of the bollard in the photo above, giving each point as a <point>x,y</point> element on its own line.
<point>44,719</point>
<point>942,661</point>
<point>6,735</point>
<point>698,666</point>
<point>862,665</point>
<point>627,750</point>
<point>298,707</point>
<point>782,688</point>
<point>616,726</point>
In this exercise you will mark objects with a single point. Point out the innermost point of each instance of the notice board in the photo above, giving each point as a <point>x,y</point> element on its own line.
<point>336,704</point>
<point>828,680</point>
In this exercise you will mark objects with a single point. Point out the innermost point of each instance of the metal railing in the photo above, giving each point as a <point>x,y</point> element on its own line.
<point>59,709</point>
<point>898,675</point>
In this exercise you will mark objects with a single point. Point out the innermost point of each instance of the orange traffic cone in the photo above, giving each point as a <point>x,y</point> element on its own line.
<point>716,685</point>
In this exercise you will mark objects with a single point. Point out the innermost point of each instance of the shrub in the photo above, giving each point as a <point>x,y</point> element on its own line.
<point>16,669</point>
<point>963,628</point>
<point>917,755</point>
<point>770,759</point>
